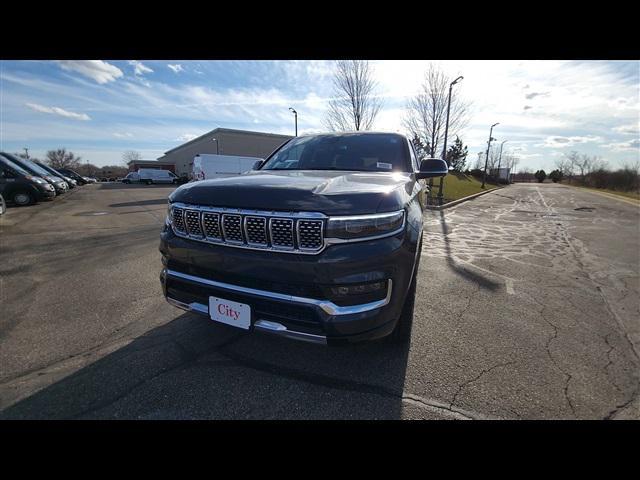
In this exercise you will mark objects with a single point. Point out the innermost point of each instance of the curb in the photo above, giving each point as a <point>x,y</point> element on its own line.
<point>460,200</point>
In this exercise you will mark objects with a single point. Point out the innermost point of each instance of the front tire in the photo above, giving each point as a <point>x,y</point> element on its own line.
<point>401,334</point>
<point>23,199</point>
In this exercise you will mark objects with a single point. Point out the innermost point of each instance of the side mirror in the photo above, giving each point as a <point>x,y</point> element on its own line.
<point>432,167</point>
<point>257,165</point>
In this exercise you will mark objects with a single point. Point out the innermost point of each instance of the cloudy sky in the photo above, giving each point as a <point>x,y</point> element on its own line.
<point>99,109</point>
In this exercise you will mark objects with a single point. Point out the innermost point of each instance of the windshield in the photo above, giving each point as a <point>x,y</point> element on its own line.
<point>367,152</point>
<point>34,167</point>
<point>13,165</point>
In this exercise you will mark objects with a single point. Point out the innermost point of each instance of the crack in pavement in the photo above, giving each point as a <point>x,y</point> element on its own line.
<point>469,382</point>
<point>353,386</point>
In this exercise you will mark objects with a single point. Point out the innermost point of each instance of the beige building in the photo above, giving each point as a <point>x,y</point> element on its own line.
<point>227,142</point>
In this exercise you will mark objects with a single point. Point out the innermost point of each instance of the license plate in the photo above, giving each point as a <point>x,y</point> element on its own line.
<point>232,313</point>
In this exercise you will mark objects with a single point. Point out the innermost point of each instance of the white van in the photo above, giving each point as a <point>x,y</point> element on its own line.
<point>156,175</point>
<point>206,166</point>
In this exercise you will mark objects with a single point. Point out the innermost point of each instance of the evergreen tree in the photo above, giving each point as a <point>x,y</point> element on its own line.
<point>457,155</point>
<point>422,150</point>
<point>555,176</point>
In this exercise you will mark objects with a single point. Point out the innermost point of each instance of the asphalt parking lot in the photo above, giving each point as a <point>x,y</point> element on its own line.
<point>528,307</point>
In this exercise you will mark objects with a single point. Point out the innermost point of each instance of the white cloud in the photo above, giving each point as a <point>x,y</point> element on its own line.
<point>58,111</point>
<point>560,141</point>
<point>123,135</point>
<point>176,68</point>
<point>186,137</point>
<point>139,68</point>
<point>632,128</point>
<point>630,146</point>
<point>98,70</point>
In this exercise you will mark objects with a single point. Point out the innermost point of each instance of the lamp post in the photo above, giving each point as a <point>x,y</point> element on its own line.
<point>500,158</point>
<point>217,146</point>
<point>446,132</point>
<point>486,159</point>
<point>296,115</point>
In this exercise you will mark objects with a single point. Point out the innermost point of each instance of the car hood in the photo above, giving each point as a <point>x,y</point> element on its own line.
<point>329,192</point>
<point>53,179</point>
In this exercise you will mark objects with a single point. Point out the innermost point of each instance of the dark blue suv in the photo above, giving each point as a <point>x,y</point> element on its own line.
<point>320,242</point>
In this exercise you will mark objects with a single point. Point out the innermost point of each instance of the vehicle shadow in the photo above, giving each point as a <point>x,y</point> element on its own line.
<point>191,368</point>
<point>460,269</point>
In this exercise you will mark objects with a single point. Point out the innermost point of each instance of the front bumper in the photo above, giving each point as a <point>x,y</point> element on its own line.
<point>45,193</point>
<point>194,271</point>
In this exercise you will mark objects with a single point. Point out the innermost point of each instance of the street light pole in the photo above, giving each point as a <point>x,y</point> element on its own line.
<point>217,147</point>
<point>486,159</point>
<point>296,115</point>
<point>26,151</point>
<point>500,159</point>
<point>446,132</point>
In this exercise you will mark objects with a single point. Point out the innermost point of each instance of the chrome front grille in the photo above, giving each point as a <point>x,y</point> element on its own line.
<point>299,232</point>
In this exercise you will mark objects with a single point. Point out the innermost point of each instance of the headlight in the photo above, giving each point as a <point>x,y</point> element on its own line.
<point>361,227</point>
<point>35,179</point>
<point>168,220</point>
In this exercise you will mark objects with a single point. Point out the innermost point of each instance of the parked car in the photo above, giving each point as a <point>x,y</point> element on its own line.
<point>156,175</point>
<point>58,183</point>
<point>20,187</point>
<point>90,179</point>
<point>72,174</point>
<point>3,206</point>
<point>70,181</point>
<point>321,242</point>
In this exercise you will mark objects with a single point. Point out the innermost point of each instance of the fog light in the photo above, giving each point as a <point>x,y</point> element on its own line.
<point>344,290</point>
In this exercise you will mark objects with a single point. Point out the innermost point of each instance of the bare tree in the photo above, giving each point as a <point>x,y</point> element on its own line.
<point>565,165</point>
<point>355,105</point>
<point>60,158</point>
<point>131,156</point>
<point>479,164</point>
<point>510,161</point>
<point>426,113</point>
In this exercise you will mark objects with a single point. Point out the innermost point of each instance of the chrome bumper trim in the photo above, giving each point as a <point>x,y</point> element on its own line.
<point>189,307</point>
<point>279,329</point>
<point>329,307</point>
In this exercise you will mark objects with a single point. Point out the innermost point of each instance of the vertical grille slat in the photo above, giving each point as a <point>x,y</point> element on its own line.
<point>284,232</point>
<point>309,234</point>
<point>192,219</point>
<point>178,220</point>
<point>232,228</point>
<point>211,224</point>
<point>256,230</point>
